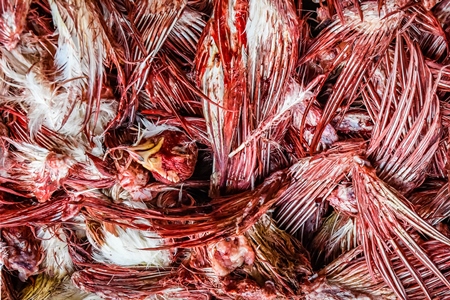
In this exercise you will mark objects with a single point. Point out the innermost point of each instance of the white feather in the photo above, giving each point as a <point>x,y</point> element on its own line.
<point>31,90</point>
<point>33,162</point>
<point>67,57</point>
<point>125,249</point>
<point>212,83</point>
<point>47,105</point>
<point>117,193</point>
<point>135,204</point>
<point>81,48</point>
<point>57,261</point>
<point>151,129</point>
<point>295,95</point>
<point>73,127</point>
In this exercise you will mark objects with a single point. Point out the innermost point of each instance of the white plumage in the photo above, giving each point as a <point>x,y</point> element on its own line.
<point>57,262</point>
<point>126,248</point>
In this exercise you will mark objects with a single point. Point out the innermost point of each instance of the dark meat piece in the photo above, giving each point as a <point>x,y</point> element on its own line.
<point>20,251</point>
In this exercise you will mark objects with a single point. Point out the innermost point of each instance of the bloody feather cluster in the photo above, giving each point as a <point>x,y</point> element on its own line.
<point>224,149</point>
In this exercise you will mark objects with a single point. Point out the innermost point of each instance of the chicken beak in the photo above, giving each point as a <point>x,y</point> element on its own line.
<point>144,153</point>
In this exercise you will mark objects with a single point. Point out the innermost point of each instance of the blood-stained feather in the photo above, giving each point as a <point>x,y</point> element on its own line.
<point>351,271</point>
<point>12,21</point>
<point>24,74</point>
<point>272,32</point>
<point>224,149</point>
<point>122,283</point>
<point>405,138</point>
<point>151,23</point>
<point>183,39</point>
<point>359,41</point>
<point>385,220</point>
<point>169,89</point>
<point>35,171</point>
<point>220,68</point>
<point>428,29</point>
<point>312,180</point>
<point>433,203</point>
<point>84,51</point>
<point>113,244</point>
<point>201,223</point>
<point>50,212</point>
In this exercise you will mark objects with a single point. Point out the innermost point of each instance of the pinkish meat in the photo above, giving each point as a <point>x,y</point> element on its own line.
<point>134,178</point>
<point>56,170</point>
<point>354,121</point>
<point>229,254</point>
<point>329,135</point>
<point>343,198</point>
